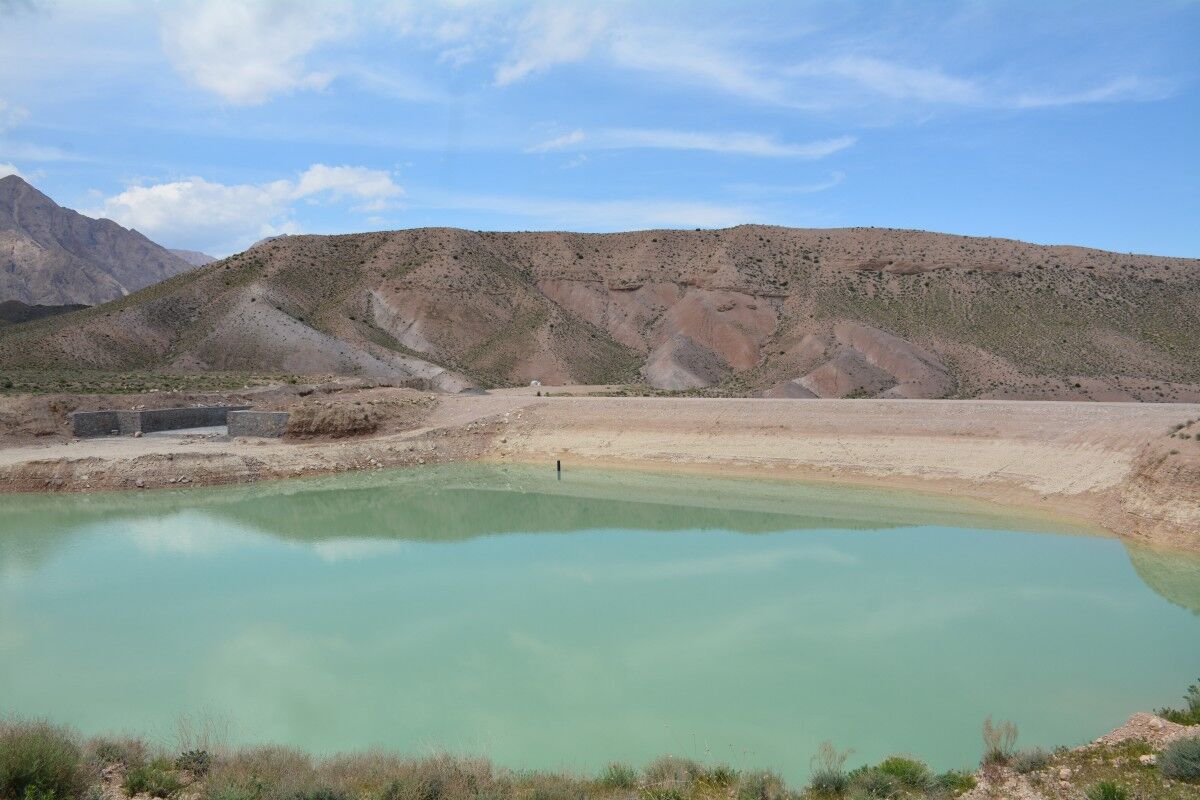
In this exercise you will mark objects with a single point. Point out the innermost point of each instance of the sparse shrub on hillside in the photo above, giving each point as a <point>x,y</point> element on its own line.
<point>1030,760</point>
<point>761,785</point>
<point>128,752</point>
<point>999,741</point>
<point>197,762</point>
<point>872,782</point>
<point>1190,713</point>
<point>157,779</point>
<point>618,776</point>
<point>671,772</point>
<point>829,776</point>
<point>955,782</point>
<point>1106,790</point>
<point>912,773</point>
<point>39,761</point>
<point>1181,760</point>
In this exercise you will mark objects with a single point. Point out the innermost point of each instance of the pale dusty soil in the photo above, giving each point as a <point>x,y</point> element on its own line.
<point>1111,464</point>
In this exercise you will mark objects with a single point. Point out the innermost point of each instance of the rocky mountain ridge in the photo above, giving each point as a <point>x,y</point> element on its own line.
<point>50,255</point>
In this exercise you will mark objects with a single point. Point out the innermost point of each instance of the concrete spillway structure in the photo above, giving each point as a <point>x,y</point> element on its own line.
<point>86,424</point>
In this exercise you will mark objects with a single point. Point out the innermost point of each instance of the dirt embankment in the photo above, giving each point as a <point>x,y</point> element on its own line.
<point>1131,468</point>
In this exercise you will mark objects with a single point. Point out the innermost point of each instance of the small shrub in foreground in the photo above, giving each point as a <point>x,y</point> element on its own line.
<point>761,785</point>
<point>1031,760</point>
<point>912,773</point>
<point>671,772</point>
<point>618,776</point>
<point>39,760</point>
<point>1190,713</point>
<point>157,779</point>
<point>197,762</point>
<point>1181,760</point>
<point>128,752</point>
<point>874,783</point>
<point>999,741</point>
<point>1106,790</point>
<point>829,771</point>
<point>955,781</point>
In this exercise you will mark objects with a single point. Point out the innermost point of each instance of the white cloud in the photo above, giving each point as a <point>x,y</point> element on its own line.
<point>551,35</point>
<point>246,52</point>
<point>749,144</point>
<point>9,169</point>
<point>11,116</point>
<point>220,218</point>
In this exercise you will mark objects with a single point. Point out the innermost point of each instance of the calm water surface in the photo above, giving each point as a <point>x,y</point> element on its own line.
<point>564,624</point>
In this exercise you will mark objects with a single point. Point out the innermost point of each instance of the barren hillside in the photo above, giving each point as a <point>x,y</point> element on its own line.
<point>787,312</point>
<point>52,255</point>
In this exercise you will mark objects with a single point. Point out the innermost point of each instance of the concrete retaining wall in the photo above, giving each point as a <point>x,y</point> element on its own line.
<point>103,423</point>
<point>258,423</point>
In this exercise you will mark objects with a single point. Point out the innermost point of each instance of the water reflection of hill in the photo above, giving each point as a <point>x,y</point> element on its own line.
<point>462,501</point>
<point>1175,576</point>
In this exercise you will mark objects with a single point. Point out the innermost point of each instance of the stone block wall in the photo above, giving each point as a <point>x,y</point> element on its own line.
<point>103,423</point>
<point>258,423</point>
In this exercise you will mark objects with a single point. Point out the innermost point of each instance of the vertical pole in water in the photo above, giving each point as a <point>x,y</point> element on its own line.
<point>558,468</point>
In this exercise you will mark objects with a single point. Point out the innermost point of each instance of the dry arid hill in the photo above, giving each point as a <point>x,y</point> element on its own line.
<point>193,257</point>
<point>753,309</point>
<point>50,255</point>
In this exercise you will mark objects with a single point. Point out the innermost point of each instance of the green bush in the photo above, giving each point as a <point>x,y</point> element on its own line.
<point>829,771</point>
<point>1031,760</point>
<point>720,775</point>
<point>39,760</point>
<point>127,752</point>
<point>671,772</point>
<point>197,762</point>
<point>1190,713</point>
<point>912,773</point>
<point>618,776</point>
<point>1106,790</point>
<point>761,785</point>
<point>955,781</point>
<point>874,782</point>
<point>157,779</point>
<point>1181,760</point>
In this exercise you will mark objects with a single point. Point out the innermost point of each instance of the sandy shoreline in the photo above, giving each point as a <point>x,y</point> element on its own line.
<point>1110,464</point>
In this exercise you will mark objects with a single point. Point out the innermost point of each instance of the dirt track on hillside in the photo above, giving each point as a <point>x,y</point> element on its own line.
<point>1114,464</point>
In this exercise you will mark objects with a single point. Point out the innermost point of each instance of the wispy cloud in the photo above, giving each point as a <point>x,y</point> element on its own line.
<point>11,116</point>
<point>784,190</point>
<point>1118,90</point>
<point>27,151</point>
<point>749,144</point>
<point>551,35</point>
<point>593,215</point>
<point>892,80</point>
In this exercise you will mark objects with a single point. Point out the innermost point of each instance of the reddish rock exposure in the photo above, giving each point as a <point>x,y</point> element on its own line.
<point>858,312</point>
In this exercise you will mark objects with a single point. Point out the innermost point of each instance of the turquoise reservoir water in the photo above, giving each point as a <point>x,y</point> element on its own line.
<point>564,624</point>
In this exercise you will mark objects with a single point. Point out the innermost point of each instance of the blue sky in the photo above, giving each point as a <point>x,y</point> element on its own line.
<point>210,124</point>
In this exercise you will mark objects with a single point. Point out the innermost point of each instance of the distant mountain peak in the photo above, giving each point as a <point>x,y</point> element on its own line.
<point>194,257</point>
<point>52,255</point>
